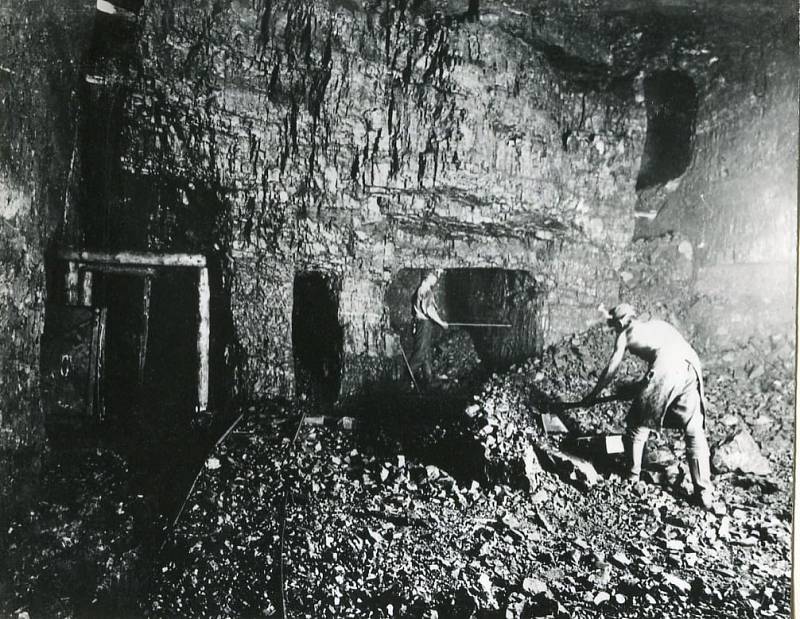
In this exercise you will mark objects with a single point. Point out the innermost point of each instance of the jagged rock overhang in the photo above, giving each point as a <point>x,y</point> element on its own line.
<point>448,154</point>
<point>314,150</point>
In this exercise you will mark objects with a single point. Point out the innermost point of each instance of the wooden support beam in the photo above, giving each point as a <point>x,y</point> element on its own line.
<point>147,288</point>
<point>131,258</point>
<point>109,8</point>
<point>203,339</point>
<point>98,365</point>
<point>144,264</point>
<point>71,283</point>
<point>86,288</point>
<point>121,269</point>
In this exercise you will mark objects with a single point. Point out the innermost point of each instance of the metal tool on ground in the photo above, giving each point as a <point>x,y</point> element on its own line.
<point>605,444</point>
<point>601,445</point>
<point>197,477</point>
<point>552,423</point>
<point>330,421</point>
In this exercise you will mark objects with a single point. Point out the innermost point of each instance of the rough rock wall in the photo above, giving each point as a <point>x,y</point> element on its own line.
<point>362,138</point>
<point>21,295</point>
<point>738,199</point>
<point>40,47</point>
<point>737,203</point>
<point>358,141</point>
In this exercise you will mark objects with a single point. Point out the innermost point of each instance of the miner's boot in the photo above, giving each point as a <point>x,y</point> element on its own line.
<point>637,437</point>
<point>698,456</point>
<point>700,468</point>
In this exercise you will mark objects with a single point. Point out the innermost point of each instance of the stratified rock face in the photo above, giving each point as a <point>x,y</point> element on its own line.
<point>21,291</point>
<point>357,142</point>
<point>358,139</point>
<point>40,44</point>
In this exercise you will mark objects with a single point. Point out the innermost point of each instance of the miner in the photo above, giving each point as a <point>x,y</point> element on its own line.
<point>425,314</point>
<point>670,394</point>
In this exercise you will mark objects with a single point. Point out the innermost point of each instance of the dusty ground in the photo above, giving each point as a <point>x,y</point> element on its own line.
<point>451,505</point>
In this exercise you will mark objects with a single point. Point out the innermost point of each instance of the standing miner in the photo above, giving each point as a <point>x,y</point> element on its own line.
<point>425,313</point>
<point>671,392</point>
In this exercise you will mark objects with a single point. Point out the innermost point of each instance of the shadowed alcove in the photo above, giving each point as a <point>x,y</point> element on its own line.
<point>480,296</point>
<point>671,99</point>
<point>316,337</point>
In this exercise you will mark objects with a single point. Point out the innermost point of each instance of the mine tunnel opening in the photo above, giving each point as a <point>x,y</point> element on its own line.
<point>126,354</point>
<point>150,374</point>
<point>498,297</point>
<point>121,371</point>
<point>317,338</point>
<point>671,100</point>
<point>429,423</point>
<point>497,318</point>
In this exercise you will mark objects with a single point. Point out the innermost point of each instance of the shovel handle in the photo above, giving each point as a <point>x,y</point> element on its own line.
<point>581,404</point>
<point>479,324</point>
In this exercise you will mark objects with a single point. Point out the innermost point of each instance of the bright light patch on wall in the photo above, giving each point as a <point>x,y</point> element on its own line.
<point>106,7</point>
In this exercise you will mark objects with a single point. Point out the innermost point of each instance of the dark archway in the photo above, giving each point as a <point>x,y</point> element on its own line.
<point>317,337</point>
<point>497,296</point>
<point>671,99</point>
<point>149,373</point>
<point>477,295</point>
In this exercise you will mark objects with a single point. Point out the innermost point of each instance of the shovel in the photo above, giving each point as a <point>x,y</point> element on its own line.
<point>557,405</point>
<point>551,421</point>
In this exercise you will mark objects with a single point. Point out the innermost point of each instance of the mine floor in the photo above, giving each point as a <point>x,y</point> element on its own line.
<point>452,506</point>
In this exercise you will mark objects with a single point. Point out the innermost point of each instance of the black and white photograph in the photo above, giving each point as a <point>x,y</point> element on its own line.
<point>425,309</point>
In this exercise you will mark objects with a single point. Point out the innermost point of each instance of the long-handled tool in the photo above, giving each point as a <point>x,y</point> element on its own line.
<point>477,324</point>
<point>557,405</point>
<point>408,366</point>
<point>552,424</point>
<point>550,410</point>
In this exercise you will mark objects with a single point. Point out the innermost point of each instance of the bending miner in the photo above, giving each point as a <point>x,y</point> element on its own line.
<point>670,395</point>
<point>425,314</point>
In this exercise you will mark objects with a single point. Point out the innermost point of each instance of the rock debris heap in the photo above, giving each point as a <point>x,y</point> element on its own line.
<point>363,523</point>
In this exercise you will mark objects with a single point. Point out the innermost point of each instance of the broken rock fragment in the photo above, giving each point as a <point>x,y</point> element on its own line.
<point>534,586</point>
<point>532,467</point>
<point>677,584</point>
<point>575,469</point>
<point>621,559</point>
<point>741,453</point>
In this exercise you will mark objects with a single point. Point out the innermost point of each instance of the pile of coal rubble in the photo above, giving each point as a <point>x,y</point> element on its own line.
<point>77,551</point>
<point>436,511</point>
<point>346,524</point>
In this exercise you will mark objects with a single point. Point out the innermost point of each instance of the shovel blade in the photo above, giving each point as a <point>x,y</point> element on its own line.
<point>553,425</point>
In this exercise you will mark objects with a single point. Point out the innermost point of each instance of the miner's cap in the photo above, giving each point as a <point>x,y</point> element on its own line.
<point>621,313</point>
